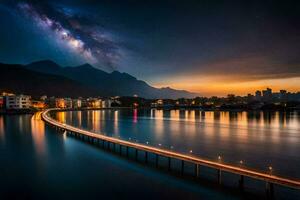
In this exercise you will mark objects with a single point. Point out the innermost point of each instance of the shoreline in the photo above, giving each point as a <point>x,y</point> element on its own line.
<point>32,111</point>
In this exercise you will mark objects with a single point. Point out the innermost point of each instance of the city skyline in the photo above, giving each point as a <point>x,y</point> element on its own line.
<point>210,48</point>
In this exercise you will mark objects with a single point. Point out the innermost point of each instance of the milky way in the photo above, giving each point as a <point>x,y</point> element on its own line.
<point>185,44</point>
<point>87,39</point>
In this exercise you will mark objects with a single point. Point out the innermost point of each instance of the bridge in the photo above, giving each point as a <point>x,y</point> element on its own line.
<point>219,167</point>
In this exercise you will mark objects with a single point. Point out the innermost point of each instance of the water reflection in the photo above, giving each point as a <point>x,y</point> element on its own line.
<point>158,124</point>
<point>116,122</point>
<point>79,119</point>
<point>96,120</point>
<point>38,133</point>
<point>61,116</point>
<point>2,133</point>
<point>259,138</point>
<point>135,116</point>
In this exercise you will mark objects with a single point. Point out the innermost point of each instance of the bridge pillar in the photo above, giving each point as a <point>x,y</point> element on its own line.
<point>114,145</point>
<point>169,164</point>
<point>120,149</point>
<point>127,151</point>
<point>219,176</point>
<point>197,170</point>
<point>136,154</point>
<point>270,190</point>
<point>182,167</point>
<point>146,157</point>
<point>241,183</point>
<point>156,160</point>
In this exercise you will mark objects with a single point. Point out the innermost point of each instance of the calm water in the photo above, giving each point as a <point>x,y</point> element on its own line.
<point>260,139</point>
<point>38,163</point>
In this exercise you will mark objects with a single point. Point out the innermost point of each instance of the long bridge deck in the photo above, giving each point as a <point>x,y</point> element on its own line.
<point>268,178</point>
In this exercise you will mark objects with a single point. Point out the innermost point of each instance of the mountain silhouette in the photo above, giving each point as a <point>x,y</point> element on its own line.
<point>17,79</point>
<point>98,82</point>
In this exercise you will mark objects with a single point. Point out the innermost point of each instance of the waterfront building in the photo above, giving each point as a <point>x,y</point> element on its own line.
<point>94,102</point>
<point>17,101</point>
<point>250,98</point>
<point>69,103</point>
<point>106,103</point>
<point>77,103</point>
<point>283,95</point>
<point>267,94</point>
<point>38,104</point>
<point>60,103</point>
<point>258,95</point>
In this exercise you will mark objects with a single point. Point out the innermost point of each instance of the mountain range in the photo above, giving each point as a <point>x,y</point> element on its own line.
<point>47,77</point>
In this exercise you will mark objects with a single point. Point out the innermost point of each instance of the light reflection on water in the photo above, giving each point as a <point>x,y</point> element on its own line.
<point>258,138</point>
<point>38,133</point>
<point>2,134</point>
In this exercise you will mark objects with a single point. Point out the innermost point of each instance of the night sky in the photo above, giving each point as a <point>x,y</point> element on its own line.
<point>209,47</point>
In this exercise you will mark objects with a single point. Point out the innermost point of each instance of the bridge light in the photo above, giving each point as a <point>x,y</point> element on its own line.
<point>159,144</point>
<point>191,151</point>
<point>270,169</point>
<point>241,163</point>
<point>219,158</point>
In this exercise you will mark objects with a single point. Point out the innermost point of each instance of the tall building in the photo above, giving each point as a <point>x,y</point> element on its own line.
<point>258,95</point>
<point>267,94</point>
<point>17,101</point>
<point>283,95</point>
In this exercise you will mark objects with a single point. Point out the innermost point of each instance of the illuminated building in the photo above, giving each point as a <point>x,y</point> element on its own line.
<point>43,98</point>
<point>76,103</point>
<point>38,104</point>
<point>106,103</point>
<point>68,103</point>
<point>60,103</point>
<point>94,103</point>
<point>17,101</point>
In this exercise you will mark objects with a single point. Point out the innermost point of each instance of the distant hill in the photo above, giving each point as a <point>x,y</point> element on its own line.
<point>108,84</point>
<point>16,78</point>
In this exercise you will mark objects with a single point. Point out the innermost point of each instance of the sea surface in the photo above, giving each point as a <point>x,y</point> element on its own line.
<point>36,162</point>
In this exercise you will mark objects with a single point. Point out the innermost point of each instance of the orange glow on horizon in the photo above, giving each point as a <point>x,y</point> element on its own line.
<point>214,87</point>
